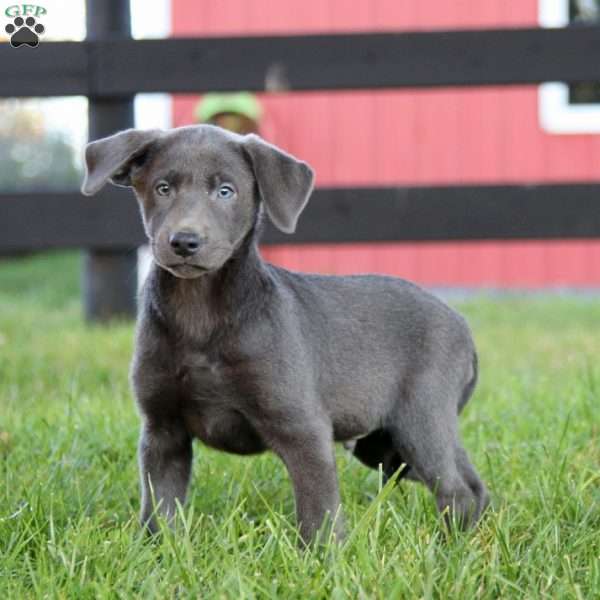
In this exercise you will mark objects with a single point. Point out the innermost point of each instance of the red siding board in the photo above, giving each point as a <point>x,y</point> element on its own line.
<point>488,135</point>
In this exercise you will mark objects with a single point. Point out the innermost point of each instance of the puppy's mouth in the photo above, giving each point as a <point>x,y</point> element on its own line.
<point>187,270</point>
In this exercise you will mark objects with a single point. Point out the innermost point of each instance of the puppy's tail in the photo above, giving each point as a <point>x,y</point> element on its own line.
<point>468,389</point>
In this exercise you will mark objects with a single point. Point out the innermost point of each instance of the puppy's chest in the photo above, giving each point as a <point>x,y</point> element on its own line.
<point>215,401</point>
<point>205,379</point>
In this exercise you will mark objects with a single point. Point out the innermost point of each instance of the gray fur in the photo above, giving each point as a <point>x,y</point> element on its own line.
<point>247,356</point>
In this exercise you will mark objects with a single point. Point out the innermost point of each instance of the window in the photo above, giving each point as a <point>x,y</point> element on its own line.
<point>569,108</point>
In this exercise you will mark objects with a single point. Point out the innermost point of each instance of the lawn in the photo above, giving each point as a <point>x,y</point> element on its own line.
<point>69,498</point>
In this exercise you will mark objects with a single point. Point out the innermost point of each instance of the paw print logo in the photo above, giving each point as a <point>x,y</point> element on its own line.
<point>24,32</point>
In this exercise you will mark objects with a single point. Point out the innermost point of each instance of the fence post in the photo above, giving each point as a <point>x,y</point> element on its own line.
<point>109,277</point>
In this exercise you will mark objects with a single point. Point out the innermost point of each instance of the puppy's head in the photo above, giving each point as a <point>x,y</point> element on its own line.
<point>199,189</point>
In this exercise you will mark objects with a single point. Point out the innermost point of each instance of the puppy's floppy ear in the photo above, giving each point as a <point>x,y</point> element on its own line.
<point>110,158</point>
<point>284,182</point>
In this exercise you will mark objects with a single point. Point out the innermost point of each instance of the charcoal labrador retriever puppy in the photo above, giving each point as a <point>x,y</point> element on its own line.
<point>249,357</point>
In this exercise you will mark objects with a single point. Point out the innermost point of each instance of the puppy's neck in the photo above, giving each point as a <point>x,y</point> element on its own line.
<point>215,303</point>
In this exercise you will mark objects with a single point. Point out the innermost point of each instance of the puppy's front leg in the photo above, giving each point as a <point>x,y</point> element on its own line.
<point>165,458</point>
<point>310,459</point>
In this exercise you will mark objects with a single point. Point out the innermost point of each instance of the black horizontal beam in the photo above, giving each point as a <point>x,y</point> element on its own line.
<point>111,220</point>
<point>121,67</point>
<point>37,221</point>
<point>449,213</point>
<point>52,69</point>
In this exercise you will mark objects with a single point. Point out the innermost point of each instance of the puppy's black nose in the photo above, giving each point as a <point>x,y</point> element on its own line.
<point>185,243</point>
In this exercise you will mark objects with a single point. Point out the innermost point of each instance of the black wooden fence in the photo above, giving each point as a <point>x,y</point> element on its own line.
<point>110,68</point>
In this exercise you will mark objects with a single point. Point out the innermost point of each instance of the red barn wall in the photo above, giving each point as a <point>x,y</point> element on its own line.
<point>487,135</point>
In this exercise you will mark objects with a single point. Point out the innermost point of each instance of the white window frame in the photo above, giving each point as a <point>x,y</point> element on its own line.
<point>556,113</point>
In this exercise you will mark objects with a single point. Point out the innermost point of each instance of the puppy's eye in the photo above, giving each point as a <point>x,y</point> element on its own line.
<point>225,192</point>
<point>163,188</point>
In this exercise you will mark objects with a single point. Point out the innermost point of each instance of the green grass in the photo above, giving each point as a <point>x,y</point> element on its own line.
<point>69,490</point>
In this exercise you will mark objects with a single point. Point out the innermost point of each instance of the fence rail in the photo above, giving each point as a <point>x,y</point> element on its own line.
<point>111,220</point>
<point>121,67</point>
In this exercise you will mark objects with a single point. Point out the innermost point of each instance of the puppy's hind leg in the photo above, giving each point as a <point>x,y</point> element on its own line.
<point>425,432</point>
